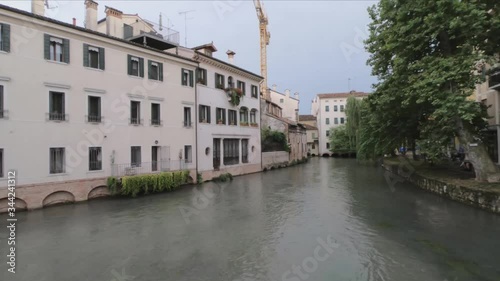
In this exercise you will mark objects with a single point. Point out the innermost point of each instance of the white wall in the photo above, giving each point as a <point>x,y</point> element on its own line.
<point>289,104</point>
<point>26,136</point>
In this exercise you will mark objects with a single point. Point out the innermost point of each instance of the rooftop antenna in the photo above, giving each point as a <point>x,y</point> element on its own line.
<point>349,84</point>
<point>185,13</point>
<point>48,6</point>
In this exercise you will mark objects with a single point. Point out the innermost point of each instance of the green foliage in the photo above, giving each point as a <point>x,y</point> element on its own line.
<point>339,140</point>
<point>273,141</point>
<point>199,178</point>
<point>145,184</point>
<point>223,178</point>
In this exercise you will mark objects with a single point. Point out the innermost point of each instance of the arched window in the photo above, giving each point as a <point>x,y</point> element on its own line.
<point>253,116</point>
<point>244,116</point>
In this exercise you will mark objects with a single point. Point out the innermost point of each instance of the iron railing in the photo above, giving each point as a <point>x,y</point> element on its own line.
<point>94,118</point>
<point>120,170</point>
<point>136,121</point>
<point>156,122</point>
<point>52,116</point>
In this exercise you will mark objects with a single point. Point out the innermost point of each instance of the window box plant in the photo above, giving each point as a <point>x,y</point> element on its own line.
<point>220,122</point>
<point>244,123</point>
<point>235,95</point>
<point>254,124</point>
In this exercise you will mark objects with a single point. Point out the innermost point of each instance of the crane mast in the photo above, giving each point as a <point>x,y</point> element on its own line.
<point>264,41</point>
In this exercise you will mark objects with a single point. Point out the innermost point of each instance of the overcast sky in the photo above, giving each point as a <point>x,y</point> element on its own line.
<point>316,46</point>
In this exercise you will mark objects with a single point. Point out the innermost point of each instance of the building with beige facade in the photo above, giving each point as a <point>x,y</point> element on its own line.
<point>329,110</point>
<point>289,104</point>
<point>309,122</point>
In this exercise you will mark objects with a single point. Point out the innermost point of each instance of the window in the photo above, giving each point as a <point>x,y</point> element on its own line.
<point>314,135</point>
<point>335,108</point>
<point>93,57</point>
<point>135,112</point>
<point>253,117</point>
<point>327,108</point>
<point>244,150</point>
<point>56,106</point>
<point>57,161</point>
<point>216,155</point>
<point>219,81</point>
<point>255,91</point>
<point>56,49</point>
<point>230,82</point>
<point>341,120</point>
<point>221,116</point>
<point>95,159</point>
<point>241,85</point>
<point>232,117</point>
<point>94,110</point>
<point>187,116</point>
<point>155,114</point>
<point>243,116</point>
<point>188,154</point>
<point>282,100</point>
<point>201,76</point>
<point>1,162</point>
<point>2,109</point>
<point>135,66</point>
<point>155,70</point>
<point>204,114</point>
<point>335,120</point>
<point>328,133</point>
<point>135,153</point>
<point>4,38</point>
<point>327,121</point>
<point>327,145</point>
<point>187,77</point>
<point>341,108</point>
<point>154,158</point>
<point>231,151</point>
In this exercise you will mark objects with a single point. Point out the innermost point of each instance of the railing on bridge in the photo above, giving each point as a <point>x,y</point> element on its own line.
<point>129,169</point>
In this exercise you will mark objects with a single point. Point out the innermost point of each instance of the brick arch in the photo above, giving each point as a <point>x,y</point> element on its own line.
<point>98,191</point>
<point>58,197</point>
<point>20,204</point>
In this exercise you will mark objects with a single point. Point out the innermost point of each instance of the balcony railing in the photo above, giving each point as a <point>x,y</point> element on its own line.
<point>94,118</point>
<point>136,121</point>
<point>52,116</point>
<point>187,124</point>
<point>160,32</point>
<point>129,169</point>
<point>156,122</point>
<point>494,80</point>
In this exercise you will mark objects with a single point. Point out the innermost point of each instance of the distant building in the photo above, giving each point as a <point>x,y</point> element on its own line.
<point>288,104</point>
<point>329,110</point>
<point>309,122</point>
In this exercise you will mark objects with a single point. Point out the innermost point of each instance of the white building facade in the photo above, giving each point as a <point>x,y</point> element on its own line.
<point>289,104</point>
<point>78,106</point>
<point>329,110</point>
<point>228,134</point>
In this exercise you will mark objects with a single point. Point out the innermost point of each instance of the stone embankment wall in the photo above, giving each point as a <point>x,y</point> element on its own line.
<point>483,199</point>
<point>275,159</point>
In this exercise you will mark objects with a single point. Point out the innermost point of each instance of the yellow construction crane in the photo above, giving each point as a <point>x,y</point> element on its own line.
<point>264,41</point>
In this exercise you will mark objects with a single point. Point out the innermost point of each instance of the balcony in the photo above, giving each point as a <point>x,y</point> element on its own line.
<point>156,122</point>
<point>494,78</point>
<point>129,169</point>
<point>94,118</point>
<point>136,121</point>
<point>151,35</point>
<point>58,117</point>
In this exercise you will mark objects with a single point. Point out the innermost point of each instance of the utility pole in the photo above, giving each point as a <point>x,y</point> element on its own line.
<point>185,13</point>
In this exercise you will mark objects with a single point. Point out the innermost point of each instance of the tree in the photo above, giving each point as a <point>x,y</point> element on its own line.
<point>353,117</point>
<point>339,140</point>
<point>423,53</point>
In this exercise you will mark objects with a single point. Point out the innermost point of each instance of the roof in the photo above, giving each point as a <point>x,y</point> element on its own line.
<point>309,127</point>
<point>74,27</point>
<point>228,64</point>
<point>209,46</point>
<point>343,95</point>
<point>307,118</point>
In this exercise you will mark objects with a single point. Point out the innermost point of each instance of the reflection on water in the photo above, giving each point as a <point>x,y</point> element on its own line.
<point>263,227</point>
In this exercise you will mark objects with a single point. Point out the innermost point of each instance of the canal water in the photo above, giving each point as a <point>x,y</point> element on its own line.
<point>330,219</point>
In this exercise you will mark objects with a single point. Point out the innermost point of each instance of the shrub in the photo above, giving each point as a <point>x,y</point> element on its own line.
<point>223,178</point>
<point>145,184</point>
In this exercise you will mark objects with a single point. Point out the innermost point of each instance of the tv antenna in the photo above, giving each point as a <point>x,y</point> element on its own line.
<point>169,23</point>
<point>185,13</point>
<point>46,2</point>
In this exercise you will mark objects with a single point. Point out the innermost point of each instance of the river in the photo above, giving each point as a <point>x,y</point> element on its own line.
<point>329,219</point>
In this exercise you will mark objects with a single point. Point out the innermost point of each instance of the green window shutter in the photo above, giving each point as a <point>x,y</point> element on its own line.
<point>46,46</point>
<point>66,50</point>
<point>6,38</point>
<point>129,64</point>
<point>216,80</point>
<point>141,67</point>
<point>183,82</point>
<point>160,69</point>
<point>150,65</point>
<point>208,115</point>
<point>102,59</point>
<point>51,105</point>
<point>86,55</point>
<point>199,112</point>
<point>191,77</point>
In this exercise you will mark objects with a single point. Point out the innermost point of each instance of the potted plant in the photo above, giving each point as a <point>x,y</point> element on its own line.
<point>201,81</point>
<point>235,95</point>
<point>220,122</point>
<point>244,123</point>
<point>254,124</point>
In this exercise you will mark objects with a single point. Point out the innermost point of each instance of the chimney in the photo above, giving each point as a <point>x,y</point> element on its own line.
<point>114,22</point>
<point>287,93</point>
<point>275,87</point>
<point>230,56</point>
<point>38,7</point>
<point>296,96</point>
<point>91,15</point>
